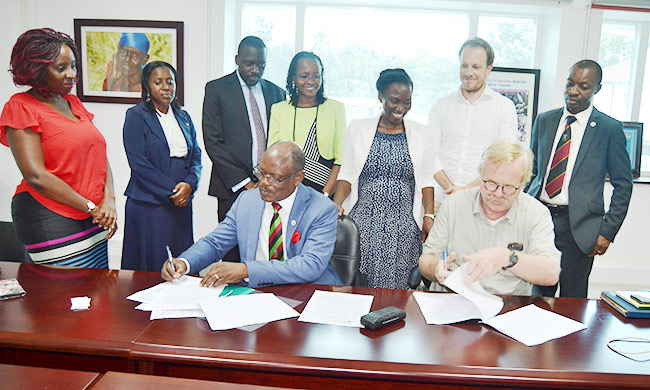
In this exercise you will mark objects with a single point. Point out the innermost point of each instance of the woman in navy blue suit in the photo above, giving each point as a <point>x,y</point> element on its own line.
<point>165,159</point>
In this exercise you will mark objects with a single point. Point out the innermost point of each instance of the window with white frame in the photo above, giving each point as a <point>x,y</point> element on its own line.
<point>369,41</point>
<point>644,113</point>
<point>512,38</point>
<point>357,43</point>
<point>276,26</point>
<point>617,44</point>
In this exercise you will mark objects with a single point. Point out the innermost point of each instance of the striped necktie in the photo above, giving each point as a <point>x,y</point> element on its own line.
<point>260,134</point>
<point>560,159</point>
<point>276,249</point>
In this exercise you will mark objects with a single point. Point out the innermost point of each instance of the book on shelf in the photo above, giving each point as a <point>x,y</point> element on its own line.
<point>622,306</point>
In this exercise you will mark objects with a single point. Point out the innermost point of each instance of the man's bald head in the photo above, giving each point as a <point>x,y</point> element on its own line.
<point>290,151</point>
<point>281,170</point>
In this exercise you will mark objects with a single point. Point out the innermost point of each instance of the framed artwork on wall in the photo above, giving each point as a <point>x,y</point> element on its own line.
<point>633,143</point>
<point>113,53</point>
<point>522,87</point>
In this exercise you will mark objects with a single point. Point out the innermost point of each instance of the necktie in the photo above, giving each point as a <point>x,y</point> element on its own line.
<point>260,134</point>
<point>276,249</point>
<point>560,159</point>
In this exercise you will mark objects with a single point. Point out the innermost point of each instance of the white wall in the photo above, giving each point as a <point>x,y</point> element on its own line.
<point>567,32</point>
<point>202,62</point>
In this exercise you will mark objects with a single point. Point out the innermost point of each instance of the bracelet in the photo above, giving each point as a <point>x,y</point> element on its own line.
<point>432,216</point>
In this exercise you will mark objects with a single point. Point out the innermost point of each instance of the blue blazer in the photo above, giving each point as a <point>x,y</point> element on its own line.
<point>148,153</point>
<point>307,261</point>
<point>601,152</point>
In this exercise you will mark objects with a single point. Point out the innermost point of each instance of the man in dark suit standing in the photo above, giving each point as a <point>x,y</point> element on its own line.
<point>236,112</point>
<point>575,147</point>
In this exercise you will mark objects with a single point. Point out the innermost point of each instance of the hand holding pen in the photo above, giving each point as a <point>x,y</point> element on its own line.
<point>442,270</point>
<point>444,260</point>
<point>172,270</point>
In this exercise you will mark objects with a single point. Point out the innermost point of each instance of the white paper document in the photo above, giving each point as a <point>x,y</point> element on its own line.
<point>79,303</point>
<point>443,308</point>
<point>470,302</point>
<point>336,308</point>
<point>242,310</point>
<point>531,325</point>
<point>175,299</point>
<point>161,314</point>
<point>252,328</point>
<point>488,304</point>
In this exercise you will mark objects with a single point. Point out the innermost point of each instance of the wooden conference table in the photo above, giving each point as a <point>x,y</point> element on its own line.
<point>40,330</point>
<point>28,378</point>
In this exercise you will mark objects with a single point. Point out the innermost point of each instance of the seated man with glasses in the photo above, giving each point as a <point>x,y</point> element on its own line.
<point>504,234</point>
<point>285,231</point>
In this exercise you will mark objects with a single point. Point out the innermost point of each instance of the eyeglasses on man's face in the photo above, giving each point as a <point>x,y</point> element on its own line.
<point>493,186</point>
<point>260,174</point>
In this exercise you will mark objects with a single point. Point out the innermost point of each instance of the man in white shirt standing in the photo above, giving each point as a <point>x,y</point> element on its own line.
<point>465,122</point>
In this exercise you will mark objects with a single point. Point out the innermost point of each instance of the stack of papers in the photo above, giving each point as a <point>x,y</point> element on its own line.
<point>470,302</point>
<point>530,325</point>
<point>225,307</point>
<point>175,299</point>
<point>180,299</point>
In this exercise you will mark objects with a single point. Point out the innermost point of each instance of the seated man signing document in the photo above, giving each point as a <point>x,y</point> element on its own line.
<point>505,235</point>
<point>285,230</point>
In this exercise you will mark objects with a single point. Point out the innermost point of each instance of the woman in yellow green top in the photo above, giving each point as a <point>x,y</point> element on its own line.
<point>313,121</point>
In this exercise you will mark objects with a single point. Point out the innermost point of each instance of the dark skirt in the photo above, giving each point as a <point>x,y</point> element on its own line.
<point>149,227</point>
<point>56,240</point>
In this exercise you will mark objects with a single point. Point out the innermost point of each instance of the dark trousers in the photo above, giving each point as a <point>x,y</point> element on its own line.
<point>223,206</point>
<point>576,266</point>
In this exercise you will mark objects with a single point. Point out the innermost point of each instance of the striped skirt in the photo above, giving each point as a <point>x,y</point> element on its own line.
<point>56,240</point>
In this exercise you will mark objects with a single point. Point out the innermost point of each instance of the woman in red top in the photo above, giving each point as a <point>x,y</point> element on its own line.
<point>64,208</point>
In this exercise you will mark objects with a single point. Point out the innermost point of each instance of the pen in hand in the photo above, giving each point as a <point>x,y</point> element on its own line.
<point>444,258</point>
<point>169,258</point>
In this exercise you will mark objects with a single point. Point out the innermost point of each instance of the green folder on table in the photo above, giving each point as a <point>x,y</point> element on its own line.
<point>233,289</point>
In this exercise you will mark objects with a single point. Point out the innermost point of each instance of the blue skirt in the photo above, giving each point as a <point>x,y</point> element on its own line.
<point>149,227</point>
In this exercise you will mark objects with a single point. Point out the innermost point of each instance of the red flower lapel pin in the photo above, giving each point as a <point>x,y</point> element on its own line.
<point>295,237</point>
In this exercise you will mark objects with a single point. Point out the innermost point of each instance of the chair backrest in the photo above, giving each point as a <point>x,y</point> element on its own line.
<point>347,253</point>
<point>11,249</point>
<point>415,278</point>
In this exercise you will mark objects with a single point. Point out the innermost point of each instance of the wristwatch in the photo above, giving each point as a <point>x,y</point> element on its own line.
<point>514,259</point>
<point>432,216</point>
<point>91,206</point>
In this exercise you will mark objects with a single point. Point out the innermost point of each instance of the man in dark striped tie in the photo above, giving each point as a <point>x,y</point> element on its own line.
<point>575,148</point>
<point>285,231</point>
